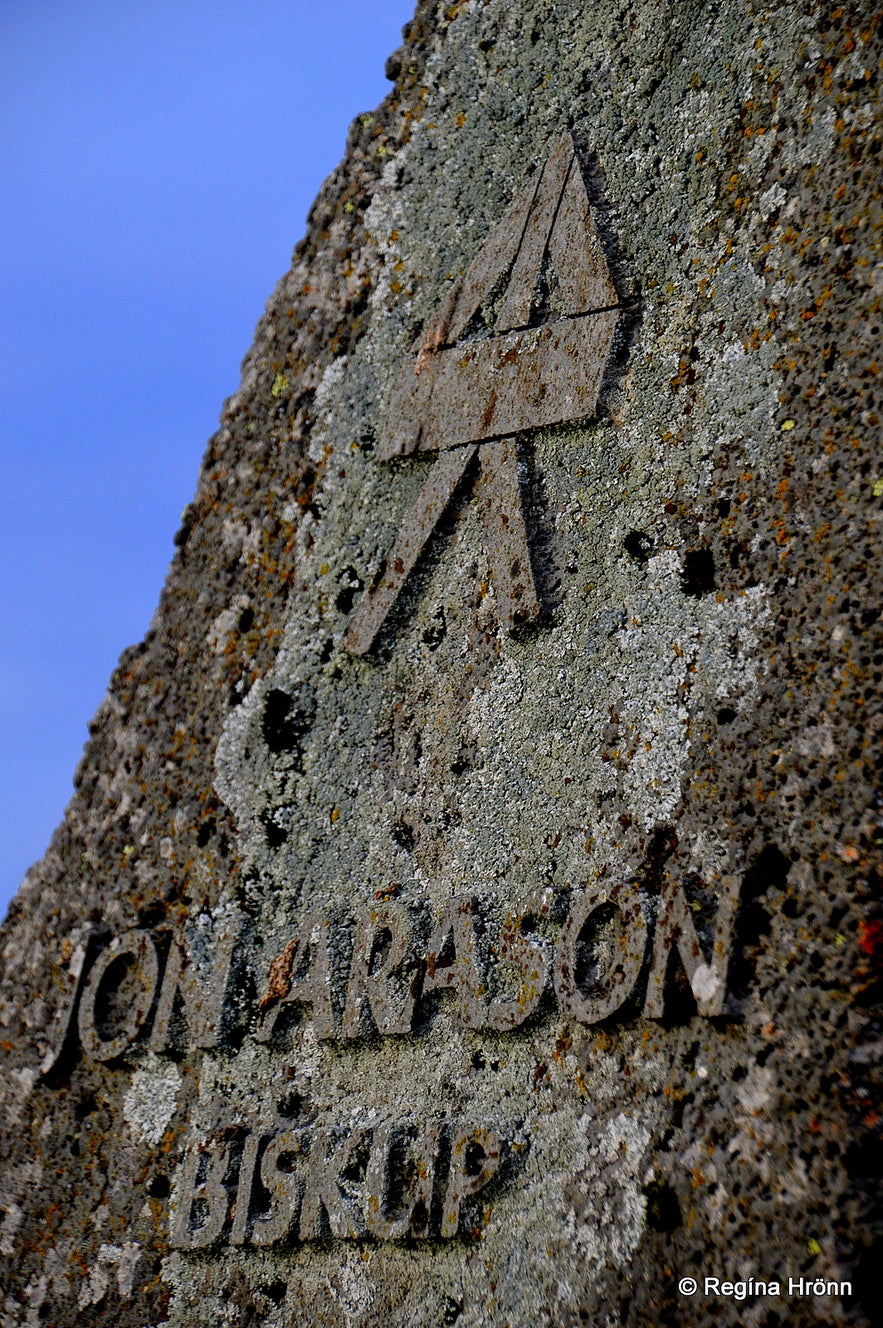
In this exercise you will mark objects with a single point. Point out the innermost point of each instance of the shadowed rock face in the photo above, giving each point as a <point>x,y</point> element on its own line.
<point>518,966</point>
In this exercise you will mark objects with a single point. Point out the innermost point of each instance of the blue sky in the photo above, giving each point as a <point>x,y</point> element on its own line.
<point>157,164</point>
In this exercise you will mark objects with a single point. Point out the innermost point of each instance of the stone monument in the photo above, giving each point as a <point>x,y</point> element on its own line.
<point>466,911</point>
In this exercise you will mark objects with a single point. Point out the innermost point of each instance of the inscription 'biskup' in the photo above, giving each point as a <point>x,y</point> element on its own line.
<point>394,1181</point>
<point>521,343</point>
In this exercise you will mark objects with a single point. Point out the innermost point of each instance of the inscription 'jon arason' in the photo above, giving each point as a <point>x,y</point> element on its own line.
<point>520,343</point>
<point>372,974</point>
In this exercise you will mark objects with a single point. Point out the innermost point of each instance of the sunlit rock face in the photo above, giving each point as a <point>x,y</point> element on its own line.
<point>465,914</point>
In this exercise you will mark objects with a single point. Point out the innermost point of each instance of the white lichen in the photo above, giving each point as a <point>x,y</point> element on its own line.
<point>151,1099</point>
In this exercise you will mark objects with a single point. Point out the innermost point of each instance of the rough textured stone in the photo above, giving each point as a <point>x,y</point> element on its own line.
<point>695,715</point>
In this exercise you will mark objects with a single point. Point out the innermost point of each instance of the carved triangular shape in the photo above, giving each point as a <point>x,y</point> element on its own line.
<point>540,291</point>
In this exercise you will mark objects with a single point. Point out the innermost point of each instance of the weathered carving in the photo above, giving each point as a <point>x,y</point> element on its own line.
<point>595,994</point>
<point>330,1183</point>
<point>372,973</point>
<point>676,933</point>
<point>530,953</point>
<point>520,343</point>
<point>611,936</point>
<point>475,1159</point>
<point>118,995</point>
<point>139,950</point>
<point>198,989</point>
<point>381,982</point>
<point>402,1143</point>
<point>396,1180</point>
<point>285,1185</point>
<point>301,974</point>
<point>201,1191</point>
<point>452,962</point>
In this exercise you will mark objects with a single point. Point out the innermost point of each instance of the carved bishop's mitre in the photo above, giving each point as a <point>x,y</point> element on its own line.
<point>521,342</point>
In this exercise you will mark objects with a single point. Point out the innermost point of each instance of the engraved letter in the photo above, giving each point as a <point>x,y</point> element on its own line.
<point>138,949</point>
<point>243,1189</point>
<point>326,1176</point>
<point>302,972</point>
<point>83,945</point>
<point>475,1159</point>
<point>675,930</point>
<point>451,962</point>
<point>531,957</point>
<point>596,973</point>
<point>199,987</point>
<point>412,1218</point>
<point>286,1186</point>
<point>207,1197</point>
<point>384,988</point>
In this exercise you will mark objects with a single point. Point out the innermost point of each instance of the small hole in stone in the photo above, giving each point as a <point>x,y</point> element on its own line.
<point>350,584</point>
<point>452,1310</point>
<point>283,725</point>
<point>290,1105</point>
<point>205,832</point>
<point>275,1292</point>
<point>698,572</point>
<point>356,1165</point>
<point>663,1208</point>
<point>436,630</point>
<point>474,1159</point>
<point>159,1187</point>
<point>380,948</point>
<point>639,546</point>
<point>403,835</point>
<point>151,916</point>
<point>419,1215</point>
<point>85,1106</point>
<point>274,833</point>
